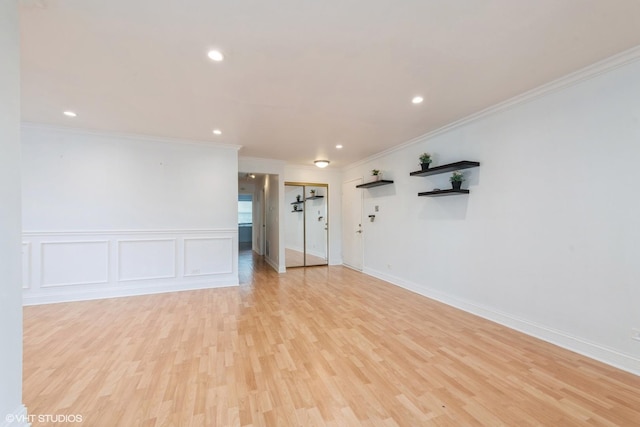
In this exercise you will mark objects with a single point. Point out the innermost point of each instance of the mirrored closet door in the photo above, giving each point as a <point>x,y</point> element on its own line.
<point>306,224</point>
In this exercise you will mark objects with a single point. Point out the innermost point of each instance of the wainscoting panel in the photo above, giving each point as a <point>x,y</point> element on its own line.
<point>78,265</point>
<point>74,263</point>
<point>204,256</point>
<point>146,259</point>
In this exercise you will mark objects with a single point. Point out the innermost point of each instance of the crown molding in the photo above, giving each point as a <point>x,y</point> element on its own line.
<point>589,72</point>
<point>128,136</point>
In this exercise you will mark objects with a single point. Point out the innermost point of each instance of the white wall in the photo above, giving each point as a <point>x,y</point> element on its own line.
<point>258,215</point>
<point>87,181</point>
<point>274,251</point>
<point>109,215</point>
<point>10,270</point>
<point>547,241</point>
<point>333,178</point>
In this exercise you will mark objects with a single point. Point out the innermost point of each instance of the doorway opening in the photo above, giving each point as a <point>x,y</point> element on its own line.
<point>245,221</point>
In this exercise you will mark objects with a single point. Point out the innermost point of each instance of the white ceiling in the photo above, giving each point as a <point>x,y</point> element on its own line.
<point>301,76</point>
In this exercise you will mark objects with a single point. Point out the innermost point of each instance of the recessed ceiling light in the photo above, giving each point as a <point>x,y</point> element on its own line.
<point>322,163</point>
<point>417,100</point>
<point>215,55</point>
<point>70,114</point>
<point>339,146</point>
<point>217,131</point>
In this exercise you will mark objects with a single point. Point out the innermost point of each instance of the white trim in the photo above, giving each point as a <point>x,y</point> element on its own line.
<point>128,136</point>
<point>273,265</point>
<point>184,256</point>
<point>586,73</point>
<point>38,233</point>
<point>353,268</point>
<point>64,242</point>
<point>560,338</point>
<point>20,414</point>
<point>86,295</point>
<point>135,279</point>
<point>119,285</point>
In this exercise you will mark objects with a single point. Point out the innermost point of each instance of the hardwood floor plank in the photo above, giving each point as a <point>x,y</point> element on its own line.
<point>326,346</point>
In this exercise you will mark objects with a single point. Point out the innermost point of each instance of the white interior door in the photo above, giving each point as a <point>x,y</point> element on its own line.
<point>352,197</point>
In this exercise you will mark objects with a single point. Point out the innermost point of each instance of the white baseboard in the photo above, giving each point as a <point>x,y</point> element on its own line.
<point>273,264</point>
<point>359,270</point>
<point>87,294</point>
<point>560,338</point>
<point>17,418</point>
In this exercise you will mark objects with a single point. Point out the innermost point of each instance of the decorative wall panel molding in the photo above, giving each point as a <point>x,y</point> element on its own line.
<point>78,265</point>
<point>146,259</point>
<point>71,263</point>
<point>208,255</point>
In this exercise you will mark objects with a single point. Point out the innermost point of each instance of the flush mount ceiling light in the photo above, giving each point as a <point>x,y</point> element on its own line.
<point>339,146</point>
<point>417,100</point>
<point>321,163</point>
<point>69,114</point>
<point>217,131</point>
<point>215,55</point>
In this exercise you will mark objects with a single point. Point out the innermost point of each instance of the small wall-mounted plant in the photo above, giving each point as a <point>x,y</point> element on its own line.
<point>457,176</point>
<point>375,172</point>
<point>456,180</point>
<point>313,193</point>
<point>425,160</point>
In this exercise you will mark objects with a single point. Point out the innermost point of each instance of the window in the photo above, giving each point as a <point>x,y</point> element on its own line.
<point>245,209</point>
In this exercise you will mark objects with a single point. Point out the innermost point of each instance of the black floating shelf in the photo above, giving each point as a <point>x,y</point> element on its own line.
<point>375,184</point>
<point>438,193</point>
<point>299,210</point>
<point>465,164</point>
<point>297,203</point>
<point>315,197</point>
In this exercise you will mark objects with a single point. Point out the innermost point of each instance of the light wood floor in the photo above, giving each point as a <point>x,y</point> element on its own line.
<point>313,347</point>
